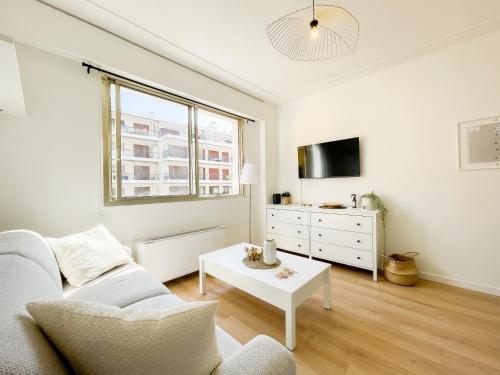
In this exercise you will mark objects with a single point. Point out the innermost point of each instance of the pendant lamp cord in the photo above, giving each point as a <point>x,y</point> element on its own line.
<point>314,15</point>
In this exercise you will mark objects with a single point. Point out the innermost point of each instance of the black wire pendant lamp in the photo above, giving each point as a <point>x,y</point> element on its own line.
<point>331,32</point>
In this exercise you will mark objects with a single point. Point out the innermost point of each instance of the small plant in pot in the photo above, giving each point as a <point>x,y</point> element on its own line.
<point>371,201</point>
<point>286,198</point>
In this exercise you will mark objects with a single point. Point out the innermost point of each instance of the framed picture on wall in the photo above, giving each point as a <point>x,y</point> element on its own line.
<point>479,144</point>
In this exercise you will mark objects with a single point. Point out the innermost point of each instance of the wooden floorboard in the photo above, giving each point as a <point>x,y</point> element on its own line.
<point>373,328</point>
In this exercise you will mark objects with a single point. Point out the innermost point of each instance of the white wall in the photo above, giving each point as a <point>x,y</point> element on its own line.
<point>50,159</point>
<point>406,118</point>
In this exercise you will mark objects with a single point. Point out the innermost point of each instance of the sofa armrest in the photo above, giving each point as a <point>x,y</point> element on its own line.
<point>260,356</point>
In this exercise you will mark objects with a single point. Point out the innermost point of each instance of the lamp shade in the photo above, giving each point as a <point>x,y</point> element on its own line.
<point>249,174</point>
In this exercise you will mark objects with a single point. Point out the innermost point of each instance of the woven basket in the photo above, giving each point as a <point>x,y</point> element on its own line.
<point>401,269</point>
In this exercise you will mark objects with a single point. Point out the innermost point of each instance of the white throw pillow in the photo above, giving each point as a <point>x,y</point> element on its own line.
<point>84,256</point>
<point>103,339</point>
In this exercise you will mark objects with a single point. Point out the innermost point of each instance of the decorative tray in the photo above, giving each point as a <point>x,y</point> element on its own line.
<point>259,264</point>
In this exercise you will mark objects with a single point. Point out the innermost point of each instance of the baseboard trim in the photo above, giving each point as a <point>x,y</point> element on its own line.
<point>460,283</point>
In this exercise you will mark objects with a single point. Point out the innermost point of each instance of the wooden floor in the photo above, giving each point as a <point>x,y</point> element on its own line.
<point>373,328</point>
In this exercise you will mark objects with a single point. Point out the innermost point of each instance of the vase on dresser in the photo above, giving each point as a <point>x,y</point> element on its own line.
<point>367,204</point>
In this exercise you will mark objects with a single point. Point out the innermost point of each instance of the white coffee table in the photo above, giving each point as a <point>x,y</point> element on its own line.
<point>226,264</point>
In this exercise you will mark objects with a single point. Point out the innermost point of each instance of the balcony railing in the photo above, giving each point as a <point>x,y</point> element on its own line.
<point>152,177</point>
<point>145,154</point>
<point>208,135</point>
<point>139,131</point>
<point>173,154</point>
<point>217,160</point>
<point>150,132</point>
<point>140,177</point>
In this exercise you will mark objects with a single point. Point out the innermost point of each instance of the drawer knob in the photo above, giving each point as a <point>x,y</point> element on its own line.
<point>272,214</point>
<point>320,249</point>
<point>298,217</point>
<point>358,224</point>
<point>319,234</point>
<point>358,241</point>
<point>358,258</point>
<point>300,245</point>
<point>272,227</point>
<point>320,220</point>
<point>299,231</point>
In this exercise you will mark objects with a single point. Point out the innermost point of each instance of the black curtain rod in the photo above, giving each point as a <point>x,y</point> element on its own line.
<point>89,67</point>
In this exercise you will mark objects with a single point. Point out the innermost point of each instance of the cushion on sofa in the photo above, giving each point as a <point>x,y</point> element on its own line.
<point>103,339</point>
<point>120,287</point>
<point>227,344</point>
<point>84,256</point>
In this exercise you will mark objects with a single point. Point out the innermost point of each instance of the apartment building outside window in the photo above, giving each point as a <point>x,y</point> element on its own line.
<point>170,149</point>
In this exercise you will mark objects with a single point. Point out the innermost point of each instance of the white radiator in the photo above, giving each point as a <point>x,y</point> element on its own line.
<point>176,255</point>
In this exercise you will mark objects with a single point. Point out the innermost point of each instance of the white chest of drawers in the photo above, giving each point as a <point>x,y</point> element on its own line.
<point>349,236</point>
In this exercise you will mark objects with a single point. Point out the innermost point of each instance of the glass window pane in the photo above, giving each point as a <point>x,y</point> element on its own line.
<point>154,145</point>
<point>218,154</point>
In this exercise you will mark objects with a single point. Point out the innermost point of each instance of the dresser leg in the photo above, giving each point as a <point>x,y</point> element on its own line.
<point>375,277</point>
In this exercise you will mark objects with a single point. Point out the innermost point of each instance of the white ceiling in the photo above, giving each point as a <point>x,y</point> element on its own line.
<point>227,39</point>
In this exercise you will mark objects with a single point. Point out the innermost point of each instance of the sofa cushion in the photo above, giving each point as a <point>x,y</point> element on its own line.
<point>84,256</point>
<point>103,339</point>
<point>24,349</point>
<point>120,287</point>
<point>164,301</point>
<point>227,344</point>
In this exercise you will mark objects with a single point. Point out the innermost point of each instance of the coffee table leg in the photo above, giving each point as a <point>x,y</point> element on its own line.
<point>327,291</point>
<point>290,327</point>
<point>203,278</point>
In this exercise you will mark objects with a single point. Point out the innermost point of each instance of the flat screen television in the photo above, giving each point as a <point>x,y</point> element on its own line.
<point>330,159</point>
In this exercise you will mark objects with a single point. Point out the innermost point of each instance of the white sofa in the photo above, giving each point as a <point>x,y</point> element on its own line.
<point>29,272</point>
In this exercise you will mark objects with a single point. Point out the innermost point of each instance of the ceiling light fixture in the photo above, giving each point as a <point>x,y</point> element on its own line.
<point>333,33</point>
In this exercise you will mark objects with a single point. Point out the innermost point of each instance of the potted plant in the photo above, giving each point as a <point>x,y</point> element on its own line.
<point>286,198</point>
<point>371,201</point>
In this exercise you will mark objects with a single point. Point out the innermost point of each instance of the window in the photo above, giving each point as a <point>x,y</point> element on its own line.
<point>213,173</point>
<point>171,144</point>
<point>178,190</point>
<point>141,172</point>
<point>176,172</point>
<point>175,151</point>
<point>213,155</point>
<point>141,191</point>
<point>141,151</point>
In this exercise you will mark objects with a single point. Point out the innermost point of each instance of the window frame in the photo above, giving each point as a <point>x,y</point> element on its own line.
<point>193,142</point>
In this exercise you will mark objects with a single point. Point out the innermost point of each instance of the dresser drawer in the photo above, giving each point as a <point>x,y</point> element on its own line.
<point>288,216</point>
<point>361,241</point>
<point>351,223</point>
<point>297,245</point>
<point>346,255</point>
<point>291,230</point>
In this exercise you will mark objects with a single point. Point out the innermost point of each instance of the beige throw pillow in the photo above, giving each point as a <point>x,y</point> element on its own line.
<point>103,339</point>
<point>84,256</point>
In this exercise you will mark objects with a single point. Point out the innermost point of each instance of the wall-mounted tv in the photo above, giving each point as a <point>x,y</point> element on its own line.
<point>330,159</point>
